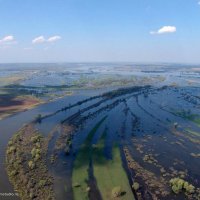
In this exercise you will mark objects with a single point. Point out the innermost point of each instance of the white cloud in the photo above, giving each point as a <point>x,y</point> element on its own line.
<point>54,38</point>
<point>199,3</point>
<point>7,39</point>
<point>164,29</point>
<point>38,40</point>
<point>42,39</point>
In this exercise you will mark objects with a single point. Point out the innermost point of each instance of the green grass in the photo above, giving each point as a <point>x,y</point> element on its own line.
<point>81,165</point>
<point>110,173</point>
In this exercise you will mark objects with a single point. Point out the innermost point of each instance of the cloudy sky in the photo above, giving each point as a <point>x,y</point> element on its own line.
<point>100,30</point>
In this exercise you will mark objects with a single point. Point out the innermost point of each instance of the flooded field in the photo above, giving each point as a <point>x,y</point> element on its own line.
<point>135,138</point>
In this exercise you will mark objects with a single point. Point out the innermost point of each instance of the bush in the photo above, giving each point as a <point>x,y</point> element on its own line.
<point>11,149</point>
<point>88,189</point>
<point>69,144</point>
<point>175,189</point>
<point>116,192</point>
<point>175,125</point>
<point>31,195</point>
<point>35,152</point>
<point>178,185</point>
<point>10,143</point>
<point>36,138</point>
<point>189,189</point>
<point>13,173</point>
<point>42,183</point>
<point>68,140</point>
<point>16,164</point>
<point>37,157</point>
<point>37,145</point>
<point>31,164</point>
<point>67,150</point>
<point>136,186</point>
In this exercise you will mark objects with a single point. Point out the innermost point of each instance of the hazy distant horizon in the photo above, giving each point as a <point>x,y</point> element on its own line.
<point>106,62</point>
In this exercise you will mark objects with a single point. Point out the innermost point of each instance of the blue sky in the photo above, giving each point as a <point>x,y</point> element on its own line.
<point>104,30</point>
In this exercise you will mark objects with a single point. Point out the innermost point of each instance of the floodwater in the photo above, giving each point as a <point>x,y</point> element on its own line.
<point>143,121</point>
<point>137,119</point>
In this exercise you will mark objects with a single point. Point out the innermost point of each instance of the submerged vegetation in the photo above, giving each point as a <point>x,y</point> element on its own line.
<point>111,179</point>
<point>188,115</point>
<point>80,176</point>
<point>110,175</point>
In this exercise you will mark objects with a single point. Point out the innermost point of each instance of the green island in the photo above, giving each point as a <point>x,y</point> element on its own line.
<point>26,166</point>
